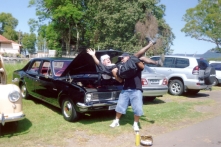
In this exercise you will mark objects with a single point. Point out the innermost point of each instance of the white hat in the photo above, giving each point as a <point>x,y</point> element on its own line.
<point>104,57</point>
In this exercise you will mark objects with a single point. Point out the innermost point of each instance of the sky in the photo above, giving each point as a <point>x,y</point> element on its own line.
<point>175,10</point>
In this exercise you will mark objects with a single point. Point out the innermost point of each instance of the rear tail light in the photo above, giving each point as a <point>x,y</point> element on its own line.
<point>195,70</point>
<point>144,81</point>
<point>165,82</point>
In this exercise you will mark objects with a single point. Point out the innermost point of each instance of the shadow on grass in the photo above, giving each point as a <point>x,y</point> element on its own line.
<point>155,101</point>
<point>49,106</point>
<point>98,116</point>
<point>198,95</point>
<point>11,129</point>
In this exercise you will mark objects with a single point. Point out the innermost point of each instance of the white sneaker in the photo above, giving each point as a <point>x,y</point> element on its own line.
<point>114,124</point>
<point>136,128</point>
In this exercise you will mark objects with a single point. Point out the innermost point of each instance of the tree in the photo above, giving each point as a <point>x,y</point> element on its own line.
<point>8,25</point>
<point>65,16</point>
<point>124,25</point>
<point>28,42</point>
<point>204,21</point>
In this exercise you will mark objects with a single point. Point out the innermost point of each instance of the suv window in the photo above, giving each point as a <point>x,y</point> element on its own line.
<point>203,64</point>
<point>182,63</point>
<point>168,62</point>
<point>217,66</point>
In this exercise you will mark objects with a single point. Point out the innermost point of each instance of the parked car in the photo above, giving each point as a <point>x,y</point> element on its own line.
<point>217,66</point>
<point>153,84</point>
<point>10,100</point>
<point>185,74</point>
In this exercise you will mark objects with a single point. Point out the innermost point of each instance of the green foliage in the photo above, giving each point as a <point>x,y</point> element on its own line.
<point>28,42</point>
<point>124,25</point>
<point>103,24</point>
<point>203,21</point>
<point>8,24</point>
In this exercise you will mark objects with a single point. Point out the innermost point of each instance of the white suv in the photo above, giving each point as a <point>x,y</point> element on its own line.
<point>185,74</point>
<point>217,66</point>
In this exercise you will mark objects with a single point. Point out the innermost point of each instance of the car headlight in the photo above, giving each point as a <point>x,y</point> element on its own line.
<point>88,98</point>
<point>14,96</point>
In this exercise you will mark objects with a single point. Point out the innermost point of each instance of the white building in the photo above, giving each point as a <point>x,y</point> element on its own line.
<point>9,46</point>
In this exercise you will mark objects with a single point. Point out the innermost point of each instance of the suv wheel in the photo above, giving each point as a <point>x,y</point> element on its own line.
<point>176,87</point>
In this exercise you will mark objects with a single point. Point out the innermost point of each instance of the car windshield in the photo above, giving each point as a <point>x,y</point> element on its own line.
<point>147,70</point>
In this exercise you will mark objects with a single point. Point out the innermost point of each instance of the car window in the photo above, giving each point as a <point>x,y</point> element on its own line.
<point>182,63</point>
<point>34,68</point>
<point>169,62</point>
<point>155,59</point>
<point>59,67</point>
<point>46,68</point>
<point>217,66</point>
<point>203,64</point>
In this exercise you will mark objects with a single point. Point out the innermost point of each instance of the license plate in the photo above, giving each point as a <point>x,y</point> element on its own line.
<point>112,107</point>
<point>154,81</point>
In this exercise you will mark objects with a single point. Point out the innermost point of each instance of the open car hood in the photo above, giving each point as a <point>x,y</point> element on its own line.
<point>84,63</point>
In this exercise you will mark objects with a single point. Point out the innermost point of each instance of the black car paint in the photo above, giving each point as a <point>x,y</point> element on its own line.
<point>53,89</point>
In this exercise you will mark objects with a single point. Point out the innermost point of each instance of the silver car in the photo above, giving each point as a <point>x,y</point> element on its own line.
<point>217,66</point>
<point>185,74</point>
<point>153,84</point>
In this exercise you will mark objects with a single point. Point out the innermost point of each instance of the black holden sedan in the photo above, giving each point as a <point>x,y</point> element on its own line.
<point>74,85</point>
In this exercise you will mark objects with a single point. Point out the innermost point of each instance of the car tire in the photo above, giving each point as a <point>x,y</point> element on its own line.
<point>149,98</point>
<point>215,83</point>
<point>192,91</point>
<point>176,87</point>
<point>24,91</point>
<point>68,111</point>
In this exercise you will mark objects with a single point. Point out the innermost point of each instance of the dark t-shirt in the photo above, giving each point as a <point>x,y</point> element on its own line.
<point>134,83</point>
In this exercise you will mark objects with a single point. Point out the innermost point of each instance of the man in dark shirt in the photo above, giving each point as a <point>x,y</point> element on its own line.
<point>132,92</point>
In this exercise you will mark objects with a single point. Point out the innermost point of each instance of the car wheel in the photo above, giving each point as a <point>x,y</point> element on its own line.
<point>24,92</point>
<point>192,91</point>
<point>149,98</point>
<point>215,83</point>
<point>176,87</point>
<point>68,111</point>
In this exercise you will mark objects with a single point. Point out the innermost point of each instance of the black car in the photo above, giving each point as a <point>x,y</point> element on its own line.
<point>74,85</point>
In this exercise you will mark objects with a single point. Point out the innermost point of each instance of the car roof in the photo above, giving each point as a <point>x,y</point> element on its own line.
<point>178,56</point>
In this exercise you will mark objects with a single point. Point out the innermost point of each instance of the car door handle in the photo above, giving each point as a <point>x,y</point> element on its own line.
<point>54,89</point>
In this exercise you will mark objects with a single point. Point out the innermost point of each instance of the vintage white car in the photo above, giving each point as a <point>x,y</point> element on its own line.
<point>10,99</point>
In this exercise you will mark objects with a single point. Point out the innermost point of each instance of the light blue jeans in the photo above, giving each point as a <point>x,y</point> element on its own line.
<point>133,96</point>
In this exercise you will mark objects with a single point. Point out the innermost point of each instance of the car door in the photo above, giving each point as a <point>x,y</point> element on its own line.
<point>166,69</point>
<point>32,77</point>
<point>48,87</point>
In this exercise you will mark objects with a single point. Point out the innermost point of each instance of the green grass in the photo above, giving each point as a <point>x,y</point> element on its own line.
<point>44,124</point>
<point>11,67</point>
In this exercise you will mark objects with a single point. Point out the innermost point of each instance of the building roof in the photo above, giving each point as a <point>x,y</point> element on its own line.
<point>4,40</point>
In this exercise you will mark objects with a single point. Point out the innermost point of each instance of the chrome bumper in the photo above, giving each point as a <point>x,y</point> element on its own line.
<point>96,106</point>
<point>11,118</point>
